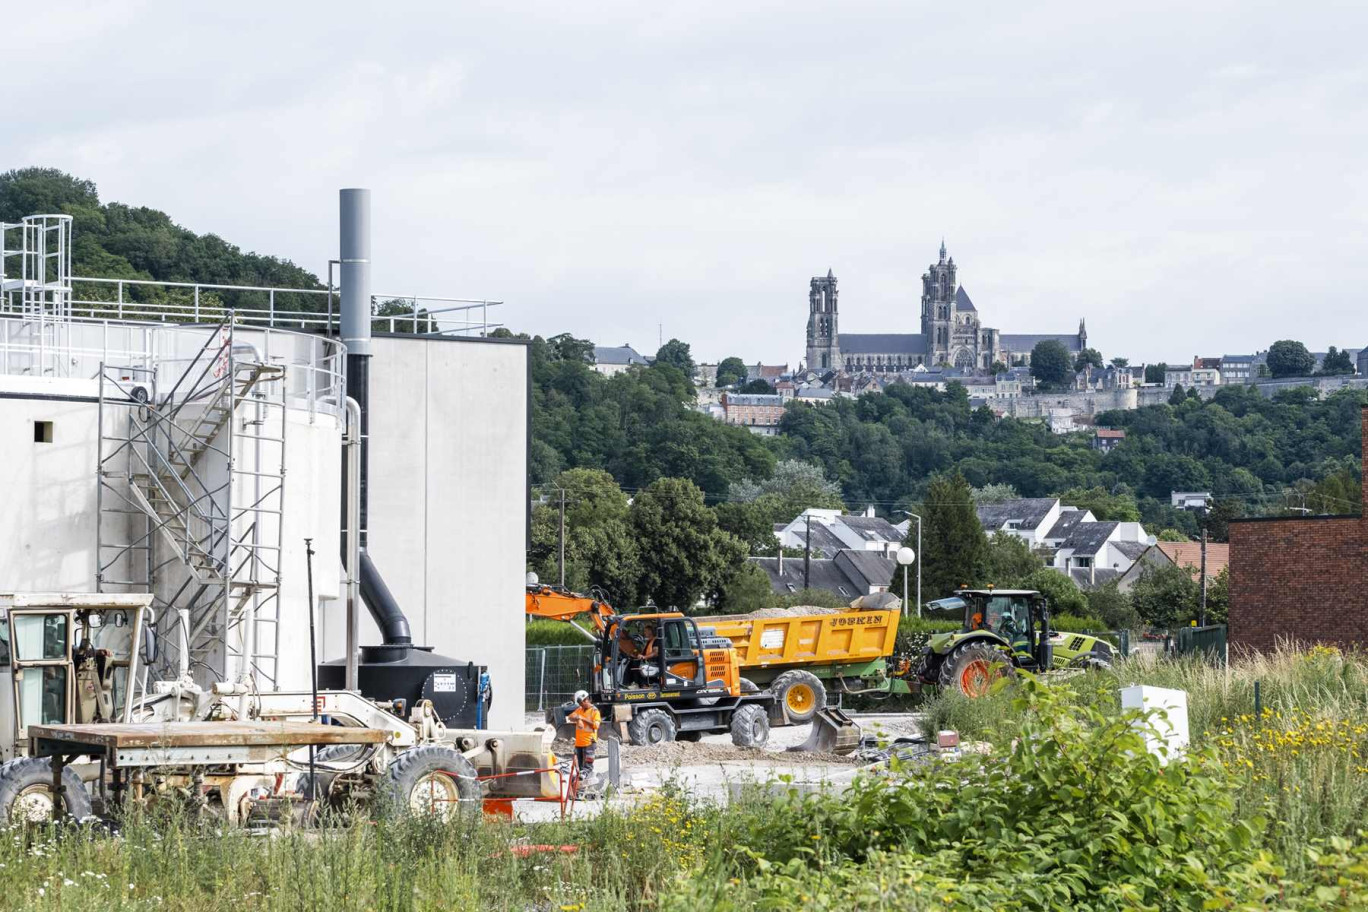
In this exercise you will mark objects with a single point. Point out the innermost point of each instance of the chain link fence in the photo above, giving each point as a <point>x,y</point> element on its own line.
<point>554,673</point>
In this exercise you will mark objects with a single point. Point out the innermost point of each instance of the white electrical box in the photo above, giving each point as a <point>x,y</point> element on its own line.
<point>1168,724</point>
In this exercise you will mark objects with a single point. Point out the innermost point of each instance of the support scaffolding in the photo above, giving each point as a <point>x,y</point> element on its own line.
<point>191,474</point>
<point>35,282</point>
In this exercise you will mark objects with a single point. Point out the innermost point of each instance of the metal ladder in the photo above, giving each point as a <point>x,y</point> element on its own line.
<point>195,477</point>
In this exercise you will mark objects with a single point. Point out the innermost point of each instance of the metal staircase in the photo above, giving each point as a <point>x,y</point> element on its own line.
<point>192,475</point>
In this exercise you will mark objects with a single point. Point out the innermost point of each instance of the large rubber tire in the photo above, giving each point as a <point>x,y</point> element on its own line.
<point>415,783</point>
<point>973,669</point>
<point>651,726</point>
<point>26,792</point>
<point>341,755</point>
<point>750,726</point>
<point>801,694</point>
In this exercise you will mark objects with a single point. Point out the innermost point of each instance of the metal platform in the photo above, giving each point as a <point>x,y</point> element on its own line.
<point>181,743</point>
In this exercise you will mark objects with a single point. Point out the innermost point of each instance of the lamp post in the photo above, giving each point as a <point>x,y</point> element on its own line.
<point>905,557</point>
<point>918,552</point>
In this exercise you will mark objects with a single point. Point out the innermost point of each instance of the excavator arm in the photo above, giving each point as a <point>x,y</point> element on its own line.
<point>563,605</point>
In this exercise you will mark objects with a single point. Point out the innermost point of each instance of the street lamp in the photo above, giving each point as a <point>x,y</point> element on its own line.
<point>905,557</point>
<point>919,551</point>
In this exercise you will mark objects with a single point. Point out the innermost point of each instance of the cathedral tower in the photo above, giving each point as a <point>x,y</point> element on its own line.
<point>823,350</point>
<point>938,308</point>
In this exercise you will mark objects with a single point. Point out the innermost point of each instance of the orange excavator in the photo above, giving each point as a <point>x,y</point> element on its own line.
<point>658,673</point>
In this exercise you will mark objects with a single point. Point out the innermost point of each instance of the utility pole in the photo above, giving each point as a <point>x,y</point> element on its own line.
<point>562,538</point>
<point>919,558</point>
<point>1201,617</point>
<point>807,548</point>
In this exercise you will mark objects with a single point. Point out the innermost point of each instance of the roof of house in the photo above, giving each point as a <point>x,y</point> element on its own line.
<point>1065,524</point>
<point>1132,549</point>
<point>1020,342</point>
<point>962,301</point>
<point>870,567</point>
<point>871,528</point>
<point>822,539</point>
<point>1237,359</point>
<point>767,371</point>
<point>815,393</point>
<point>1030,512</point>
<point>617,354</point>
<point>1189,554</point>
<point>1089,578</point>
<point>882,343</point>
<point>1111,433</point>
<point>1089,537</point>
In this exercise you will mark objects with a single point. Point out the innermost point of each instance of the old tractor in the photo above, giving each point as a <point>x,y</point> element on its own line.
<point>1004,630</point>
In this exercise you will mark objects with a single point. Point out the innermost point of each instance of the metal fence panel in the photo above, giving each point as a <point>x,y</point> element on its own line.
<point>1209,641</point>
<point>554,673</point>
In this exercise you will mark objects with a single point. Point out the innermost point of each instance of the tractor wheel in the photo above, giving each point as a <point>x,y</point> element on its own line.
<point>692,737</point>
<point>26,792</point>
<point>340,757</point>
<point>653,726</point>
<point>749,687</point>
<point>431,779</point>
<point>801,695</point>
<point>750,726</point>
<point>973,669</point>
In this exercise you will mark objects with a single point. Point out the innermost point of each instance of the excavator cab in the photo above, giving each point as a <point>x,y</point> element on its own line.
<point>665,652</point>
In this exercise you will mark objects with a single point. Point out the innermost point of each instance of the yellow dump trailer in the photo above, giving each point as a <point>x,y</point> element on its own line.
<point>802,654</point>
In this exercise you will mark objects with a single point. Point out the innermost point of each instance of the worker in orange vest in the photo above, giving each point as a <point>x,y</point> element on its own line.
<point>587,720</point>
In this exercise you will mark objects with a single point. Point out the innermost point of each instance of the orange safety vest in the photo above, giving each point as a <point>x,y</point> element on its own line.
<point>584,737</point>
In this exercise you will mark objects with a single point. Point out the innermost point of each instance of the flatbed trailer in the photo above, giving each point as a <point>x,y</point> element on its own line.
<point>123,746</point>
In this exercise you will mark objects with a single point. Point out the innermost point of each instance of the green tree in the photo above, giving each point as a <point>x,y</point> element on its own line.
<point>997,367</point>
<point>1171,535</point>
<point>994,493</point>
<point>1088,357</point>
<point>1154,373</point>
<point>1008,560</point>
<point>388,316</point>
<point>793,487</point>
<point>1177,396</point>
<point>1120,363</point>
<point>1288,358</point>
<point>684,556</point>
<point>1165,595</point>
<point>758,387</point>
<point>676,354</point>
<point>600,549</point>
<point>749,522</point>
<point>1061,592</point>
<point>1105,506</point>
<point>1050,364</point>
<point>954,547</point>
<point>1218,598</point>
<point>730,371</point>
<point>744,589</point>
<point>1336,363</point>
<point>1112,606</point>
<point>566,347</point>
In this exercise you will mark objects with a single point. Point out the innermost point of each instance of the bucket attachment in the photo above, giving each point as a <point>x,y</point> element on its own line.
<point>832,732</point>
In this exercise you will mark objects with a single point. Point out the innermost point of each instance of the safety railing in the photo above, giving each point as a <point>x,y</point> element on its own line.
<point>262,305</point>
<point>554,673</point>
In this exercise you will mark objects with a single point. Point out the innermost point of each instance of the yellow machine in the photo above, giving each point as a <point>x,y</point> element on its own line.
<point>660,674</point>
<point>800,657</point>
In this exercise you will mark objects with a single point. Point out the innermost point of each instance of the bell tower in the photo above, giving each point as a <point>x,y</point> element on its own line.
<point>823,350</point>
<point>938,308</point>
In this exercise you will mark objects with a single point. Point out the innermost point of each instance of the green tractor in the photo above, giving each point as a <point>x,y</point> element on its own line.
<point>1004,629</point>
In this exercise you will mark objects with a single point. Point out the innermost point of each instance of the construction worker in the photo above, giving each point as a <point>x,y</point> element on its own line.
<point>587,719</point>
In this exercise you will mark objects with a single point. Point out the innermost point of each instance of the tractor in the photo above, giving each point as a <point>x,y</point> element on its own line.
<point>1004,630</point>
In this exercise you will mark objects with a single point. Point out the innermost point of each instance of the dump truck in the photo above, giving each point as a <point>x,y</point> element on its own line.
<point>801,657</point>
<point>658,674</point>
<point>85,733</point>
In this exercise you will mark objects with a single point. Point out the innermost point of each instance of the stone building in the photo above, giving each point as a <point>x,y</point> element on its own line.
<point>952,333</point>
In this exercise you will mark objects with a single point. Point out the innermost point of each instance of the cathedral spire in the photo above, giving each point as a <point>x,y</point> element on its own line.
<point>942,250</point>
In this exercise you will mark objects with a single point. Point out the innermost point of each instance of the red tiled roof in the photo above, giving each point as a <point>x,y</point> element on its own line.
<point>1115,434</point>
<point>1189,554</point>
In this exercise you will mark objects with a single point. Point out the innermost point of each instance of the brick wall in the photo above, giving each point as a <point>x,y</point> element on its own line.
<point>1301,578</point>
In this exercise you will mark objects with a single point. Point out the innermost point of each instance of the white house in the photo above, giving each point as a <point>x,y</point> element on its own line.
<point>614,359</point>
<point>834,529</point>
<point>1094,553</point>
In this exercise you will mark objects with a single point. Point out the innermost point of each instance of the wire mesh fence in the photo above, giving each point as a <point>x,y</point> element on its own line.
<point>554,673</point>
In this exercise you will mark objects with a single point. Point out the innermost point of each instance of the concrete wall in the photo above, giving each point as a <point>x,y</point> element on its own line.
<point>448,501</point>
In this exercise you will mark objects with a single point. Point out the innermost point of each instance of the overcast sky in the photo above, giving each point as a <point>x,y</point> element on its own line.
<point>1189,177</point>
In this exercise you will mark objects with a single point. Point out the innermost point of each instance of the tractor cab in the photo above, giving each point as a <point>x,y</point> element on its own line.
<point>69,659</point>
<point>1019,618</point>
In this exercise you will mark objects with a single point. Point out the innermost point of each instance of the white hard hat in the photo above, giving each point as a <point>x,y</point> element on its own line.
<point>581,696</point>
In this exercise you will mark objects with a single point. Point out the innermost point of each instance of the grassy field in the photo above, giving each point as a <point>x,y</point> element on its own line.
<point>1067,812</point>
